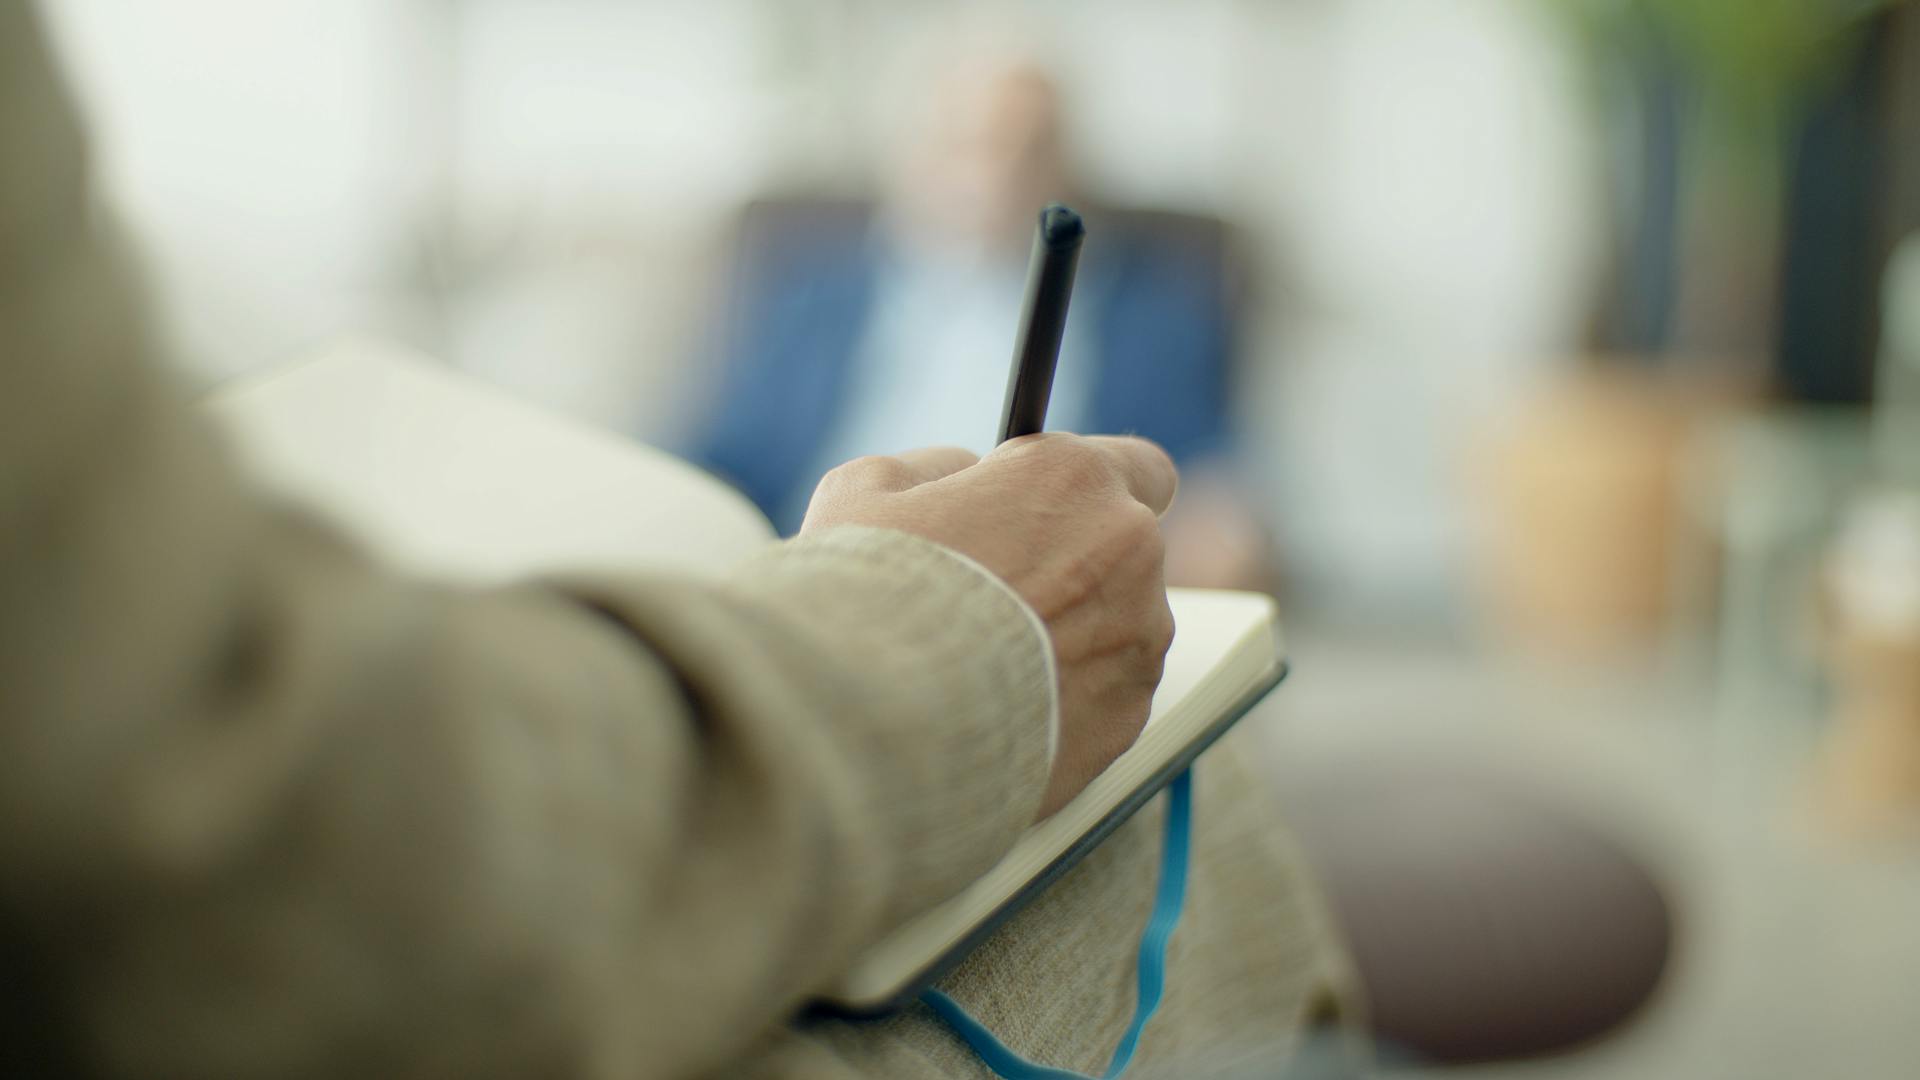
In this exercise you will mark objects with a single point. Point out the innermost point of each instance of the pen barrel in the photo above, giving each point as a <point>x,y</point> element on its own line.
<point>1043,322</point>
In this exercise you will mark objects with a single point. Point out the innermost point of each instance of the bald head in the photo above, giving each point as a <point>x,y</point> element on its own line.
<point>986,150</point>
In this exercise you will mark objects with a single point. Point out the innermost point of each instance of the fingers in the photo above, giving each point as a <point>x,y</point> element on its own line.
<point>1147,470</point>
<point>936,462</point>
<point>893,473</point>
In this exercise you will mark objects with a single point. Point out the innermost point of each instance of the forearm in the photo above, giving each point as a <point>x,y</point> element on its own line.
<point>504,840</point>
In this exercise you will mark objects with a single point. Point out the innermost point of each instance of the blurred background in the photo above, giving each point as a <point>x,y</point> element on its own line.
<point>1556,361</point>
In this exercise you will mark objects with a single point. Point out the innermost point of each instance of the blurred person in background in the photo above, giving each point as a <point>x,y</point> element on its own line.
<point>861,327</point>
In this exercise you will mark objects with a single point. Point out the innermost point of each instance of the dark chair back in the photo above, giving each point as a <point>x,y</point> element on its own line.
<point>33,1036</point>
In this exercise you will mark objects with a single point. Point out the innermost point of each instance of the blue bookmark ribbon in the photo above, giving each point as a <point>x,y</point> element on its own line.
<point>1167,903</point>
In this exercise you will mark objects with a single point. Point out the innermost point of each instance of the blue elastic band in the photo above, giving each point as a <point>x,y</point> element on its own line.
<point>1153,960</point>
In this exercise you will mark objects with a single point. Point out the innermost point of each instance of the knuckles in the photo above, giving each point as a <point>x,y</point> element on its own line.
<point>1064,465</point>
<point>1080,466</point>
<point>1131,533</point>
<point>873,473</point>
<point>1139,527</point>
<point>1160,631</point>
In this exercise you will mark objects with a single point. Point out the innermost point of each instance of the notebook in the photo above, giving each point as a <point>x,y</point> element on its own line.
<point>448,477</point>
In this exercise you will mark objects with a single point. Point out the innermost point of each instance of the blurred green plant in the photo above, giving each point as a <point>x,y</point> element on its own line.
<point>1746,68</point>
<point>1754,58</point>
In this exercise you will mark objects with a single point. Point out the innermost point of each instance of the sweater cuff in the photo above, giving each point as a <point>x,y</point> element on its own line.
<point>961,688</point>
<point>968,586</point>
<point>1035,624</point>
<point>928,687</point>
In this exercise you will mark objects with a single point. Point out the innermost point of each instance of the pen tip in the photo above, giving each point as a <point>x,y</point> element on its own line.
<point>1060,227</point>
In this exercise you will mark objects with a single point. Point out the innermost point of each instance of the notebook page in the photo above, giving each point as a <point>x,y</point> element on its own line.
<point>450,477</point>
<point>1208,625</point>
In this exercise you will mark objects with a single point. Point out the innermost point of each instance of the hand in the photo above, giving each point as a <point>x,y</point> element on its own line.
<point>1071,523</point>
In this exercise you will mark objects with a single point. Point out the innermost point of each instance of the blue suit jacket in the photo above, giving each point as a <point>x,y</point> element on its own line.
<point>803,290</point>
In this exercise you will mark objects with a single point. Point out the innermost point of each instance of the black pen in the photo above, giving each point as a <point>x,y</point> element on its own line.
<point>1043,321</point>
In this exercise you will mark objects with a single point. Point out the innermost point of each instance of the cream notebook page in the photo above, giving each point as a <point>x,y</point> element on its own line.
<point>450,478</point>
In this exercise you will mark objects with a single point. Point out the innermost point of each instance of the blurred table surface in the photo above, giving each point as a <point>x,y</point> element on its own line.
<point>1795,957</point>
